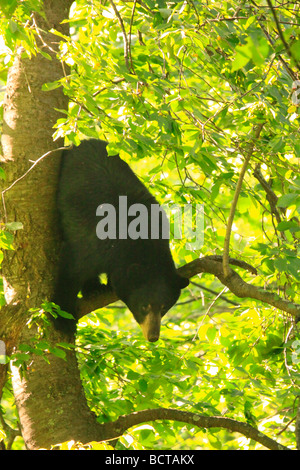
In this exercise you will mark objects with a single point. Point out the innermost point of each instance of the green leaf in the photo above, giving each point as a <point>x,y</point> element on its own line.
<point>288,225</point>
<point>58,352</point>
<point>288,199</point>
<point>8,7</point>
<point>51,85</point>
<point>14,226</point>
<point>243,55</point>
<point>64,314</point>
<point>133,375</point>
<point>295,49</point>
<point>143,385</point>
<point>211,333</point>
<point>2,174</point>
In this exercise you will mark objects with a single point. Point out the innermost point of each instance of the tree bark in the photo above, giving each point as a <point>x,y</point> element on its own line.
<point>49,397</point>
<point>29,116</point>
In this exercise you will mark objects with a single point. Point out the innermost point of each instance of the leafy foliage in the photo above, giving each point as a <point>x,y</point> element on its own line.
<point>177,88</point>
<point>231,364</point>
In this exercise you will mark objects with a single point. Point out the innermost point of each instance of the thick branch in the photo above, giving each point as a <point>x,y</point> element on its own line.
<point>208,265</point>
<point>237,285</point>
<point>118,427</point>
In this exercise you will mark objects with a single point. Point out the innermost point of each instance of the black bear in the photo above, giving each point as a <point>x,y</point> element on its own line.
<point>132,251</point>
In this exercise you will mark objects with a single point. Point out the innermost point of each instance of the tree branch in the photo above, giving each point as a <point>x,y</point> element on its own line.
<point>281,35</point>
<point>270,195</point>
<point>117,428</point>
<point>126,44</point>
<point>235,199</point>
<point>237,285</point>
<point>209,265</point>
<point>268,36</point>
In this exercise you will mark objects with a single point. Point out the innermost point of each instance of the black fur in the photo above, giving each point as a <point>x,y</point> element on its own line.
<point>141,271</point>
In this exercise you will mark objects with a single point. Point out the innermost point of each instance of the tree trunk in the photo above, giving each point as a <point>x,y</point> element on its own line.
<point>49,397</point>
<point>50,400</point>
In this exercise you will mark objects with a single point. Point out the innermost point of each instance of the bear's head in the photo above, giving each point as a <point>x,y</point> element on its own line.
<point>150,298</point>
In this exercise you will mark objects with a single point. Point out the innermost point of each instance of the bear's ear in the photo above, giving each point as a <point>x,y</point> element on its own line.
<point>182,282</point>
